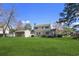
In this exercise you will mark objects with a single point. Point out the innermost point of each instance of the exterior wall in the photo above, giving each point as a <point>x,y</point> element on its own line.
<point>7,31</point>
<point>43,30</point>
<point>11,34</point>
<point>27,33</point>
<point>19,34</point>
<point>23,33</point>
<point>1,31</point>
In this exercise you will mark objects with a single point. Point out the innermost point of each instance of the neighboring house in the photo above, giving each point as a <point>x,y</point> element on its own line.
<point>44,30</point>
<point>8,30</point>
<point>23,33</point>
<point>1,30</point>
<point>10,33</point>
<point>23,30</point>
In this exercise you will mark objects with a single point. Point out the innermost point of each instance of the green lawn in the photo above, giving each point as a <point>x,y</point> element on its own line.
<point>37,46</point>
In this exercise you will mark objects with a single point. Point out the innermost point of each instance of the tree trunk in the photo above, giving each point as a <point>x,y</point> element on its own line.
<point>4,34</point>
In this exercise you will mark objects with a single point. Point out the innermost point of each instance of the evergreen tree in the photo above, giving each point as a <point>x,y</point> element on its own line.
<point>28,26</point>
<point>70,13</point>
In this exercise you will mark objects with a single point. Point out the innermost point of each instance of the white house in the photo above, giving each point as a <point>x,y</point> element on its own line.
<point>1,30</point>
<point>44,30</point>
<point>23,33</point>
<point>24,30</point>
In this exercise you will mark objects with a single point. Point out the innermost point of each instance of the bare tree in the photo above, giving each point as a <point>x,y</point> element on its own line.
<point>19,25</point>
<point>8,18</point>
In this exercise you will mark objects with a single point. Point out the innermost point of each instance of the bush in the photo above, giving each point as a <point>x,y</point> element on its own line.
<point>32,35</point>
<point>43,36</point>
<point>59,35</point>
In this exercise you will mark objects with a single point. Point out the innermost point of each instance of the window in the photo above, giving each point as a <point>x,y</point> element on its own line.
<point>36,28</point>
<point>47,27</point>
<point>47,32</point>
<point>39,33</point>
<point>42,27</point>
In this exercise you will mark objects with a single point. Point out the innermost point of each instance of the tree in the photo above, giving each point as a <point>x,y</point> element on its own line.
<point>19,25</point>
<point>70,13</point>
<point>23,26</point>
<point>28,26</point>
<point>68,31</point>
<point>8,18</point>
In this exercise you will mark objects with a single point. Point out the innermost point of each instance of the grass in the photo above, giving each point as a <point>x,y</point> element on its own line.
<point>38,46</point>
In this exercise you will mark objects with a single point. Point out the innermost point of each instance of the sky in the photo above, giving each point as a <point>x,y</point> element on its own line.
<point>39,13</point>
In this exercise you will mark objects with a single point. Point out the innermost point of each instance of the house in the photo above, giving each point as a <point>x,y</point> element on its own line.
<point>9,31</point>
<point>24,30</point>
<point>44,30</point>
<point>23,33</point>
<point>1,30</point>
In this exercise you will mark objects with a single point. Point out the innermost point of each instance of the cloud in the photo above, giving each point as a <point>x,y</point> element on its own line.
<point>24,22</point>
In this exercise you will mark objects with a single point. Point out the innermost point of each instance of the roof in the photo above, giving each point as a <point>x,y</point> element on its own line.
<point>45,30</point>
<point>1,26</point>
<point>20,30</point>
<point>40,25</point>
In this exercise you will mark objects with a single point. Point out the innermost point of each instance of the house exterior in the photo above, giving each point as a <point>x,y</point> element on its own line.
<point>23,29</point>
<point>20,33</point>
<point>44,30</point>
<point>1,30</point>
<point>23,33</point>
<point>8,30</point>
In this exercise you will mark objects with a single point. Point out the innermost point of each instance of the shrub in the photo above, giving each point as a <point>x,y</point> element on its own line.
<point>32,35</point>
<point>59,35</point>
